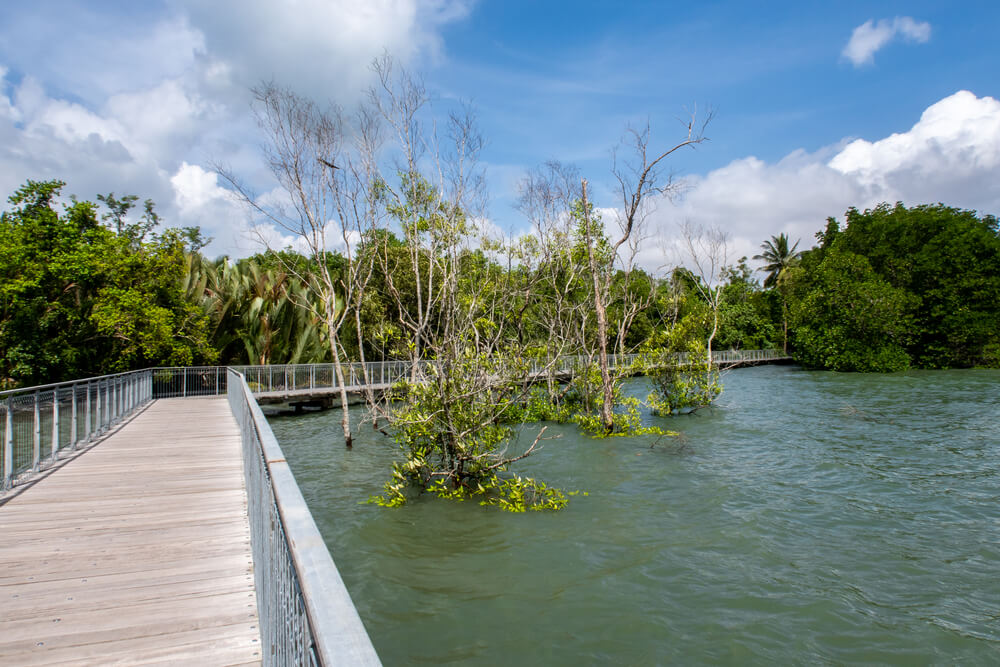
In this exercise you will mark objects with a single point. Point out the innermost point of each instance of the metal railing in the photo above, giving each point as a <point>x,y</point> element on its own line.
<point>42,423</point>
<point>306,614</point>
<point>185,381</point>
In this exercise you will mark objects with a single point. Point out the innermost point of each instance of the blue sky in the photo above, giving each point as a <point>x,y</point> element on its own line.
<point>143,97</point>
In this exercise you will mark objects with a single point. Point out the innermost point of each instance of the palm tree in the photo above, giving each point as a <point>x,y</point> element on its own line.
<point>779,258</point>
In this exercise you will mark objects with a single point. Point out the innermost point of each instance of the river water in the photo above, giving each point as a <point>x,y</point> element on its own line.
<point>809,517</point>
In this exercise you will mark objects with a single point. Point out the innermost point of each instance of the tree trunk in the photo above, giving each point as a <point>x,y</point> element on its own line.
<point>345,419</point>
<point>784,323</point>
<point>369,392</point>
<point>607,406</point>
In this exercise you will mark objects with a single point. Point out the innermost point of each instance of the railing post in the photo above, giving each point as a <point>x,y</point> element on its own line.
<point>37,441</point>
<point>98,408</point>
<point>72,421</point>
<point>89,422</point>
<point>107,405</point>
<point>55,423</point>
<point>8,445</point>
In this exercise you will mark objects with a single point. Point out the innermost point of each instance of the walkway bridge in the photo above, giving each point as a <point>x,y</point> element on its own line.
<point>138,525</point>
<point>315,385</point>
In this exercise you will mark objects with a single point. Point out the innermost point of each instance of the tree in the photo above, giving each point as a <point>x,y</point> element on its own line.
<point>948,260</point>
<point>707,252</point>
<point>77,298</point>
<point>780,260</point>
<point>778,257</point>
<point>745,318</point>
<point>449,300</point>
<point>331,184</point>
<point>933,269</point>
<point>850,319</point>
<point>639,177</point>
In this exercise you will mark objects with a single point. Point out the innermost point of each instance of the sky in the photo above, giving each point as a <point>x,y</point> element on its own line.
<point>817,107</point>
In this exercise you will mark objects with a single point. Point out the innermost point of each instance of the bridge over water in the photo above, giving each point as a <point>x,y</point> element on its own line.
<point>151,517</point>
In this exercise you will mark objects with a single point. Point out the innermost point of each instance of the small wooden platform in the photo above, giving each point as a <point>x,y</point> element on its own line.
<point>137,551</point>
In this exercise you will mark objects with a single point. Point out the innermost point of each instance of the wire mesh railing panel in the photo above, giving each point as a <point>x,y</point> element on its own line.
<point>182,382</point>
<point>306,615</point>
<point>40,423</point>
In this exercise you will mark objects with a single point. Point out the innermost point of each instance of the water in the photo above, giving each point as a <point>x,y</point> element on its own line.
<point>808,518</point>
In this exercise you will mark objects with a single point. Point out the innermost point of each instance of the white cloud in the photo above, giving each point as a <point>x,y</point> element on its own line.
<point>321,48</point>
<point>7,110</point>
<point>140,102</point>
<point>871,36</point>
<point>951,155</point>
<point>956,140</point>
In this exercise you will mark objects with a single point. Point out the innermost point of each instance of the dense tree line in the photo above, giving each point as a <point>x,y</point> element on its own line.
<point>82,294</point>
<point>93,288</point>
<point>898,287</point>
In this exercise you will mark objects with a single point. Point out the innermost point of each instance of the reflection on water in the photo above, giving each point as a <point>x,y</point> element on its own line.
<point>808,517</point>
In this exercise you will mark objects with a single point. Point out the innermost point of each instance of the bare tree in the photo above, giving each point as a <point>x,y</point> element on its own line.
<point>708,251</point>
<point>640,179</point>
<point>326,167</point>
<point>553,300</point>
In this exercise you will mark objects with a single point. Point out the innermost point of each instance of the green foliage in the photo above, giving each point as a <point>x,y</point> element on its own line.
<point>452,439</point>
<point>79,298</point>
<point>746,319</point>
<point>627,421</point>
<point>948,261</point>
<point>898,287</point>
<point>778,257</point>
<point>681,370</point>
<point>260,308</point>
<point>681,388</point>
<point>542,406</point>
<point>511,493</point>
<point>850,319</point>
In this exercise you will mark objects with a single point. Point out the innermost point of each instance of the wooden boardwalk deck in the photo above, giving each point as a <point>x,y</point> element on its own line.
<point>136,551</point>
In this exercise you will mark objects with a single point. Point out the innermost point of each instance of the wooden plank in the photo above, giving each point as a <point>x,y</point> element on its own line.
<point>136,550</point>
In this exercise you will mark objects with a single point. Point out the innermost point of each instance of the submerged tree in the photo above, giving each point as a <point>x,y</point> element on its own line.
<point>639,176</point>
<point>330,186</point>
<point>467,369</point>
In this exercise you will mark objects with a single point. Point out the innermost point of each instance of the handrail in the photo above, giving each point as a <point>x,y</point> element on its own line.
<point>94,405</point>
<point>298,585</point>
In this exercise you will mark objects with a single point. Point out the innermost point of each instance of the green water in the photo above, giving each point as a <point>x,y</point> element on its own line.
<point>808,518</point>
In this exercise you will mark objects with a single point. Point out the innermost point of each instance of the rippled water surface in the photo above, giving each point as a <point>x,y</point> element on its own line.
<point>808,517</point>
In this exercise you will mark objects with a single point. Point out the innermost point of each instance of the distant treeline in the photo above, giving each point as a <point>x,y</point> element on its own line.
<point>88,289</point>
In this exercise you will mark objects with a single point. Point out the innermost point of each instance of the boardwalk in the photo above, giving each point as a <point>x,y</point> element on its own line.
<point>136,551</point>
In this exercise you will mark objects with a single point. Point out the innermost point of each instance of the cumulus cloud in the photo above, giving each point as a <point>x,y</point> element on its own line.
<point>141,102</point>
<point>321,48</point>
<point>872,35</point>
<point>951,155</point>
